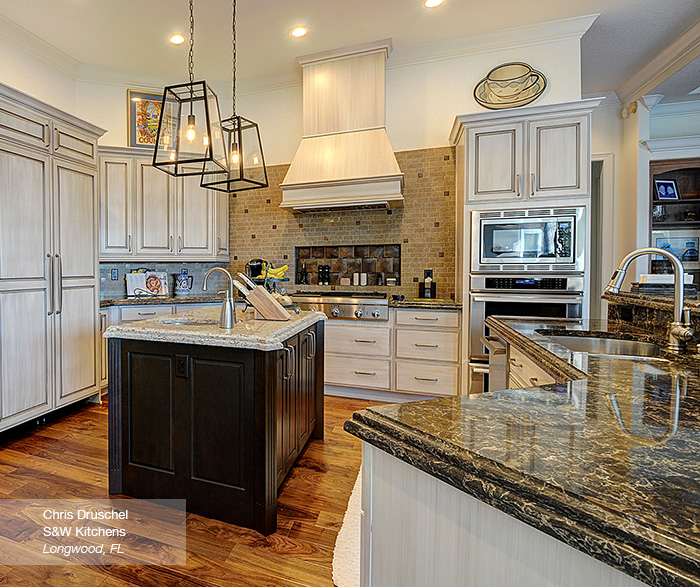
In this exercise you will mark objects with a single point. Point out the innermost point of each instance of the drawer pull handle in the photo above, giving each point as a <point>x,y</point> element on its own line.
<point>372,374</point>
<point>516,364</point>
<point>425,346</point>
<point>426,319</point>
<point>533,380</point>
<point>365,341</point>
<point>430,379</point>
<point>147,313</point>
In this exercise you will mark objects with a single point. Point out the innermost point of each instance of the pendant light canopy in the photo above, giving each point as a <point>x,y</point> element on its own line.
<point>190,138</point>
<point>246,163</point>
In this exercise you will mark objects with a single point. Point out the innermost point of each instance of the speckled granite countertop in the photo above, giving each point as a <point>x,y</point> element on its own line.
<point>161,301</point>
<point>650,301</point>
<point>435,304</point>
<point>608,460</point>
<point>202,327</point>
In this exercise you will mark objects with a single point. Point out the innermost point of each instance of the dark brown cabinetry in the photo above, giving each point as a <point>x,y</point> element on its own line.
<point>220,427</point>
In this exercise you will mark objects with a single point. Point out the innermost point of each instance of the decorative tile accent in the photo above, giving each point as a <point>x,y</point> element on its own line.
<point>345,260</point>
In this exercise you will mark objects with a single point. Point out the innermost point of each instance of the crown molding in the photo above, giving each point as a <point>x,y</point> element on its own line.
<point>673,58</point>
<point>536,34</point>
<point>671,144</point>
<point>610,99</point>
<point>676,109</point>
<point>37,48</point>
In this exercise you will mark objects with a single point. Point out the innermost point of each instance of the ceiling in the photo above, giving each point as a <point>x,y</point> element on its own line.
<point>132,35</point>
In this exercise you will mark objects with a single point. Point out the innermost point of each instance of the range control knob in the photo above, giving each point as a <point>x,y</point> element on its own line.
<point>359,313</point>
<point>375,313</point>
<point>335,312</point>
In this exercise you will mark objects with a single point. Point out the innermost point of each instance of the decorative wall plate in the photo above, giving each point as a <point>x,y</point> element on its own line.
<point>510,85</point>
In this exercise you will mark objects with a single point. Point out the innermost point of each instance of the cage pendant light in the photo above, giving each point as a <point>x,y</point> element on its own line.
<point>190,139</point>
<point>245,160</point>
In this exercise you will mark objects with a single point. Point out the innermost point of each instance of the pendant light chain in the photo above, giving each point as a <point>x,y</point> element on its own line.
<point>233,37</point>
<point>191,56</point>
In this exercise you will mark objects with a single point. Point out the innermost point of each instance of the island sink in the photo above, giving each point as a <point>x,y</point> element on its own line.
<point>598,345</point>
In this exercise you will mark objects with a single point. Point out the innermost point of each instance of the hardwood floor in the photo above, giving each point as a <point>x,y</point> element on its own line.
<point>67,458</point>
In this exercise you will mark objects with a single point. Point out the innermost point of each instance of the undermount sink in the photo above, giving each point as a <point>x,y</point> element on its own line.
<point>187,321</point>
<point>595,345</point>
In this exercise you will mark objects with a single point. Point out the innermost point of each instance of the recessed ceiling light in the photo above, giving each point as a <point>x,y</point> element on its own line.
<point>432,3</point>
<point>177,39</point>
<point>298,31</point>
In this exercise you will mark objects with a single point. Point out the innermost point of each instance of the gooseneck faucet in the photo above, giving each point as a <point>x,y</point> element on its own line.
<point>680,331</point>
<point>227,319</point>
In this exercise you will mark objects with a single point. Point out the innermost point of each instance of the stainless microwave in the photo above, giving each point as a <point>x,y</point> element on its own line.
<point>544,240</point>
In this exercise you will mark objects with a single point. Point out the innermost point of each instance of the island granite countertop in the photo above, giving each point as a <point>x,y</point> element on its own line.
<point>202,327</point>
<point>161,300</point>
<point>607,460</point>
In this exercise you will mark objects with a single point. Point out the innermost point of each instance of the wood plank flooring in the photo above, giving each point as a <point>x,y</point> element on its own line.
<point>67,458</point>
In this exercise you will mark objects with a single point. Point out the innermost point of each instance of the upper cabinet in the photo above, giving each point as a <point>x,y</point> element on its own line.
<point>149,215</point>
<point>525,153</point>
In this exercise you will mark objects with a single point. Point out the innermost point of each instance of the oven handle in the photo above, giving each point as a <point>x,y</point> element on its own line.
<point>522,298</point>
<point>494,345</point>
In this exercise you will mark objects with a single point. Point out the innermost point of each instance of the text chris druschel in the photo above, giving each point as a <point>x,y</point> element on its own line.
<point>85,531</point>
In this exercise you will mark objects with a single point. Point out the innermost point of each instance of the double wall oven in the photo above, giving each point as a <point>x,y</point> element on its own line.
<point>524,263</point>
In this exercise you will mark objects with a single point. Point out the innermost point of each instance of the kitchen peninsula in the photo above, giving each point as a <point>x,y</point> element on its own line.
<point>591,480</point>
<point>215,416</point>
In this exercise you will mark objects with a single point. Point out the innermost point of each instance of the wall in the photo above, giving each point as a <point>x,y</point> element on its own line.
<point>425,227</point>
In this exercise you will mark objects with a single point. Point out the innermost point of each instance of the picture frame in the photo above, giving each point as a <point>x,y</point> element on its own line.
<point>666,189</point>
<point>685,244</point>
<point>143,113</point>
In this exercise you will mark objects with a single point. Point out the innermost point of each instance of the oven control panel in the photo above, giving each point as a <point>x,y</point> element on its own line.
<point>534,283</point>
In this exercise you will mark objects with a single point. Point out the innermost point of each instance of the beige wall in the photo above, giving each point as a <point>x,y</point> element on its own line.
<point>424,227</point>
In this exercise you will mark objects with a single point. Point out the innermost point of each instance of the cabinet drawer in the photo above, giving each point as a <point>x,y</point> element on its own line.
<point>73,144</point>
<point>358,372</point>
<point>427,378</point>
<point>23,126</point>
<point>431,345</point>
<point>358,340</point>
<point>526,370</point>
<point>442,318</point>
<point>132,313</point>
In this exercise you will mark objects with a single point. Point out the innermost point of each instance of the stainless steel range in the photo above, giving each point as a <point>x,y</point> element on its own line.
<point>337,305</point>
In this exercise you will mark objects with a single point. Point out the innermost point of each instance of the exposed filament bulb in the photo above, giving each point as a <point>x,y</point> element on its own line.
<point>235,157</point>
<point>191,134</point>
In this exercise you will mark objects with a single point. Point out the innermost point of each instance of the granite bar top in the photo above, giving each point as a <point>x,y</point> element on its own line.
<point>606,460</point>
<point>202,327</point>
<point>651,301</point>
<point>145,301</point>
<point>425,304</point>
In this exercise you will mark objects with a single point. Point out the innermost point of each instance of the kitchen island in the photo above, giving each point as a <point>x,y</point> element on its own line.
<point>215,416</point>
<point>591,480</point>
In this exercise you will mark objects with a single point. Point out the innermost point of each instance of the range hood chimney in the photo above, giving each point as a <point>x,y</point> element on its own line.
<point>345,159</point>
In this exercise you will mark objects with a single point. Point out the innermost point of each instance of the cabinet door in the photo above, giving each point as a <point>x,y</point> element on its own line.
<point>24,126</point>
<point>102,345</point>
<point>495,162</point>
<point>26,312</point>
<point>155,211</point>
<point>559,157</point>
<point>195,237</point>
<point>72,143</point>
<point>76,278</point>
<point>305,365</point>
<point>222,223</point>
<point>116,208</point>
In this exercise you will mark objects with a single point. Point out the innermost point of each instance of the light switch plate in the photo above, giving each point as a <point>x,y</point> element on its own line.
<point>115,274</point>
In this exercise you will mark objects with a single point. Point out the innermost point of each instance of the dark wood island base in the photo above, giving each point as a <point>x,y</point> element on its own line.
<point>218,426</point>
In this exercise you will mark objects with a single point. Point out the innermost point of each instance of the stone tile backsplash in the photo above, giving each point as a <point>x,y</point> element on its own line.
<point>345,260</point>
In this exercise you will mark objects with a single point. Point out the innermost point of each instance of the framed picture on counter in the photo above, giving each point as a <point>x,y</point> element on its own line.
<point>666,189</point>
<point>682,243</point>
<point>144,112</point>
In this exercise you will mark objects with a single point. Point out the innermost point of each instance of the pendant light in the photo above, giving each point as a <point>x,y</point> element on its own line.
<point>190,139</point>
<point>246,164</point>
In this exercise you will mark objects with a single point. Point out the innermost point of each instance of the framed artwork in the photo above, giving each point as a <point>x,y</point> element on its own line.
<point>666,189</point>
<point>684,244</point>
<point>144,112</point>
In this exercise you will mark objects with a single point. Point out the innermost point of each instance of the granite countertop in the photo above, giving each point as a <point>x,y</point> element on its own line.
<point>651,301</point>
<point>606,460</point>
<point>202,327</point>
<point>145,301</point>
<point>434,304</point>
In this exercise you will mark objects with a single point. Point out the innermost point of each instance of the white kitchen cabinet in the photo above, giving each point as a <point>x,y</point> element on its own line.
<point>526,153</point>
<point>148,215</point>
<point>48,260</point>
<point>102,343</point>
<point>524,371</point>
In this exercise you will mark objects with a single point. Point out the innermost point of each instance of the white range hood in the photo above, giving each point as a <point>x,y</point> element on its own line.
<point>345,159</point>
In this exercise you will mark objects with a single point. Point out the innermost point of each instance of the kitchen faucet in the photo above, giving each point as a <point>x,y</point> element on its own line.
<point>680,332</point>
<point>227,318</point>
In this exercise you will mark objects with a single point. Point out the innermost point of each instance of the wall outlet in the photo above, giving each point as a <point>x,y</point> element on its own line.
<point>115,274</point>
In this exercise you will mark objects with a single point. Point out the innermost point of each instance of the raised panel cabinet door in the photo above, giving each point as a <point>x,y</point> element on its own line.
<point>24,126</point>
<point>304,402</point>
<point>280,395</point>
<point>25,212</point>
<point>75,217</point>
<point>102,345</point>
<point>222,225</point>
<point>74,144</point>
<point>291,400</point>
<point>559,157</point>
<point>155,212</point>
<point>76,344</point>
<point>495,162</point>
<point>195,214</point>
<point>116,199</point>
<point>25,354</point>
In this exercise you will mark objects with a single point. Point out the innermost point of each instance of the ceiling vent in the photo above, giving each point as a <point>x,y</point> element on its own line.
<point>345,159</point>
